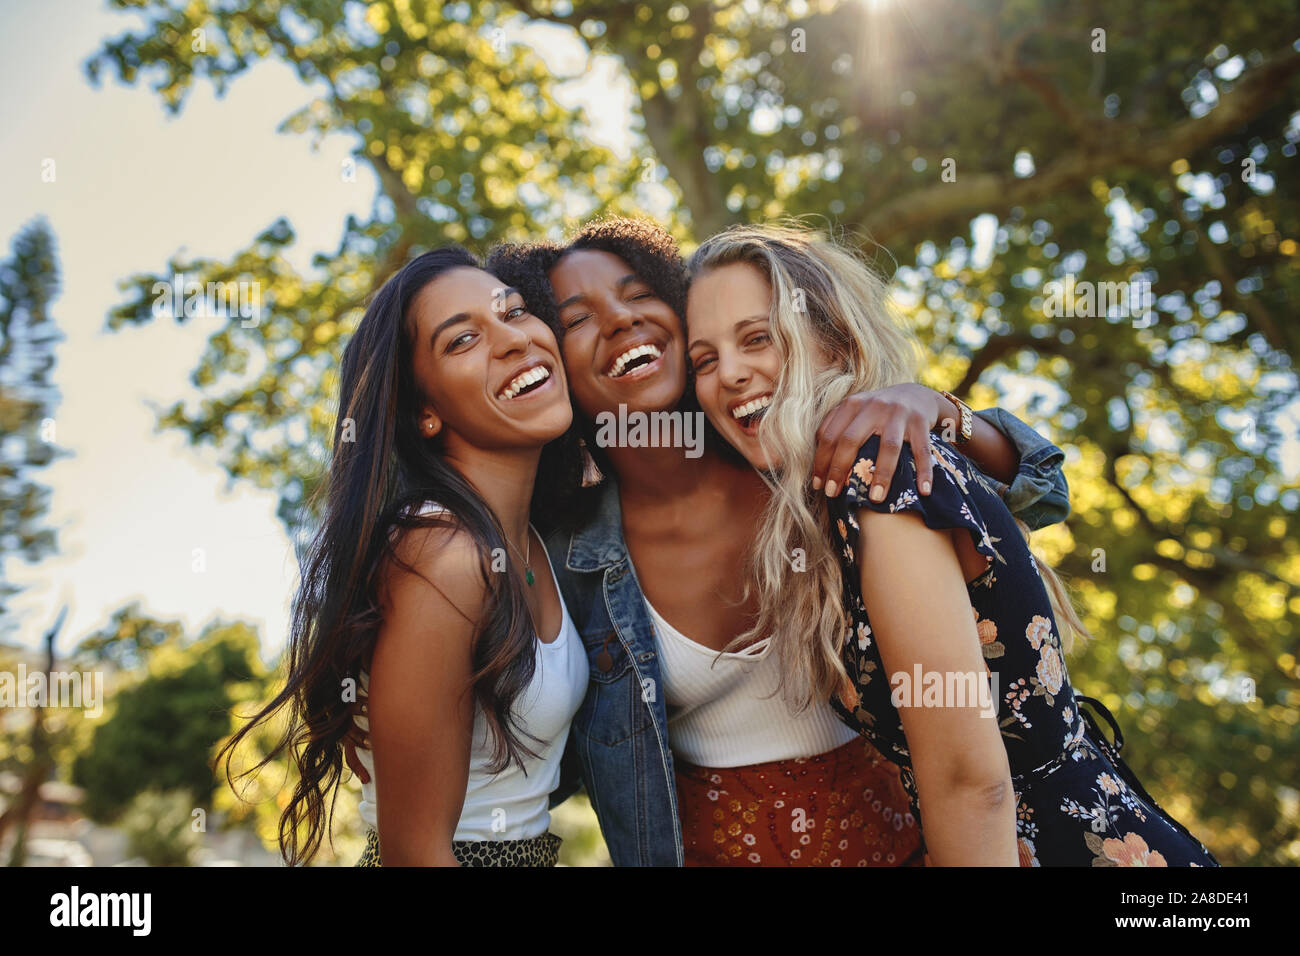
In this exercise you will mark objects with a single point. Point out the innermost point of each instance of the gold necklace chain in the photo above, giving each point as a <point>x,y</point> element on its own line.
<point>528,548</point>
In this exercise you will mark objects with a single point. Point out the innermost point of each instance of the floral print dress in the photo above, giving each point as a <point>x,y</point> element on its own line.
<point>1077,802</point>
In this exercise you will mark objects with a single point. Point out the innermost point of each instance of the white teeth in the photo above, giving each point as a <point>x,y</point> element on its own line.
<point>751,406</point>
<point>523,380</point>
<point>616,369</point>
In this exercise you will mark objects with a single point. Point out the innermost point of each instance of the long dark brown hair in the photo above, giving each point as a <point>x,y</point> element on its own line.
<point>381,471</point>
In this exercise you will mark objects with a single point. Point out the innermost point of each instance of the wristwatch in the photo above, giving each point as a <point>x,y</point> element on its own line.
<point>967,418</point>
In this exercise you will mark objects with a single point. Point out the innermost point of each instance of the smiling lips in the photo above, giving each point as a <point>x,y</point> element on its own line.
<point>525,382</point>
<point>751,407</point>
<point>632,358</point>
<point>747,412</point>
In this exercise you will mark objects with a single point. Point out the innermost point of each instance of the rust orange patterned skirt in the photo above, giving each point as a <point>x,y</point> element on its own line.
<point>846,807</point>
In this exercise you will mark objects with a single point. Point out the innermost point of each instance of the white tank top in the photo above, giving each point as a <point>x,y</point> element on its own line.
<point>513,804</point>
<point>723,710</point>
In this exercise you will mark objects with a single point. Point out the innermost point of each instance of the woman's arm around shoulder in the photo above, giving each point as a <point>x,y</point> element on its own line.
<point>1037,493</point>
<point>1025,465</point>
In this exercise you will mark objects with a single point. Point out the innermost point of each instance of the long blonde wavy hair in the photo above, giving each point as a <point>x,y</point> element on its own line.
<point>837,333</point>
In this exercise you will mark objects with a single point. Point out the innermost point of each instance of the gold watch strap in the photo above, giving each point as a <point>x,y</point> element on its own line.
<point>966,428</point>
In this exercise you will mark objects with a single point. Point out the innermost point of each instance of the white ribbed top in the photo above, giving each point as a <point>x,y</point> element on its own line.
<point>723,710</point>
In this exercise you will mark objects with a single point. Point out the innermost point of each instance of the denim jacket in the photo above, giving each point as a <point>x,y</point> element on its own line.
<point>618,745</point>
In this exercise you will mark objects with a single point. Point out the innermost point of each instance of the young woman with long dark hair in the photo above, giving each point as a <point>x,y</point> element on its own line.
<point>688,751</point>
<point>426,582</point>
<point>925,595</point>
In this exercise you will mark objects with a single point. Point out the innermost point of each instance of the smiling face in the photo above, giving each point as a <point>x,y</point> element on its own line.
<point>489,370</point>
<point>622,343</point>
<point>736,363</point>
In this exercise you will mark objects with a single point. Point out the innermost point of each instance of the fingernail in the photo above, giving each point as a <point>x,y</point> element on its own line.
<point>877,494</point>
<point>817,483</point>
<point>925,487</point>
<point>831,488</point>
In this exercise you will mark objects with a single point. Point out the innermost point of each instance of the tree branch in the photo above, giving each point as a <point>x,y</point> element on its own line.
<point>1226,562</point>
<point>677,129</point>
<point>993,351</point>
<point>1249,305</point>
<point>997,193</point>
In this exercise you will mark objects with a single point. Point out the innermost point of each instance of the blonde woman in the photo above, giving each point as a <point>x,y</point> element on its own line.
<point>926,616</point>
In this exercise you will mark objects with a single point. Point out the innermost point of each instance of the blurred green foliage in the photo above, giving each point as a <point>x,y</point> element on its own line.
<point>986,148</point>
<point>160,828</point>
<point>161,732</point>
<point>574,821</point>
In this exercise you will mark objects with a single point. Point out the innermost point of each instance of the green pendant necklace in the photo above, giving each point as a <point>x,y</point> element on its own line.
<point>528,547</point>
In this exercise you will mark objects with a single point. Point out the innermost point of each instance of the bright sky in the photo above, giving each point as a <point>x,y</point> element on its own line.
<point>133,186</point>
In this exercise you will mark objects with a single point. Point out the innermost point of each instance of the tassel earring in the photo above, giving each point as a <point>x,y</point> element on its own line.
<point>591,473</point>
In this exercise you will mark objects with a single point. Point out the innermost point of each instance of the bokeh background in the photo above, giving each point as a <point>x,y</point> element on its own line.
<point>153,470</point>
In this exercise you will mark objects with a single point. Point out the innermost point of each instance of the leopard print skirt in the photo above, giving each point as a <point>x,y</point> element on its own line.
<point>542,850</point>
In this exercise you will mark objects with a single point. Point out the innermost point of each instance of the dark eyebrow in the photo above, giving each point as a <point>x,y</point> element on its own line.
<point>464,316</point>
<point>458,317</point>
<point>622,283</point>
<point>739,325</point>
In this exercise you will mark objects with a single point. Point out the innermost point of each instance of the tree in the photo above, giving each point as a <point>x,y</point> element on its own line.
<point>989,149</point>
<point>163,731</point>
<point>29,282</point>
<point>41,744</point>
<point>464,138</point>
<point>160,828</point>
<point>128,639</point>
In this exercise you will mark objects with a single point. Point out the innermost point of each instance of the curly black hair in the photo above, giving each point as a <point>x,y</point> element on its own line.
<point>643,244</point>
